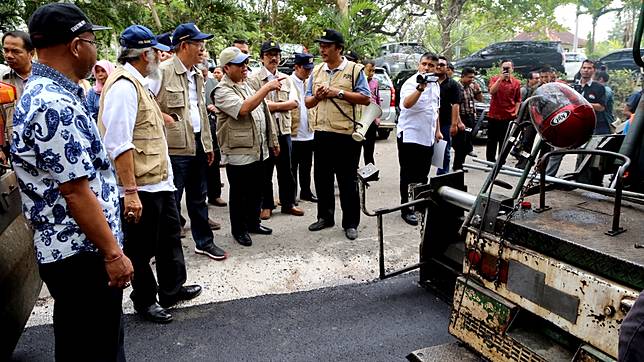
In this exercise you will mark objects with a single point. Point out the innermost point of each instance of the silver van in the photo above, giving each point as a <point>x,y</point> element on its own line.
<point>387,103</point>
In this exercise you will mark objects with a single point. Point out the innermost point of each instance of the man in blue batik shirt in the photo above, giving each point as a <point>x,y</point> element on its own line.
<point>69,190</point>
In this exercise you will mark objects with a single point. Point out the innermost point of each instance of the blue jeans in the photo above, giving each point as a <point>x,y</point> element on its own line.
<point>190,174</point>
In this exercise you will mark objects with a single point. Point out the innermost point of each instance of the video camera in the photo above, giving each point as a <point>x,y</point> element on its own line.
<point>426,78</point>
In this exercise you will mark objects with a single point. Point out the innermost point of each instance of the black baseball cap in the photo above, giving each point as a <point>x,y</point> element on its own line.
<point>331,36</point>
<point>165,39</point>
<point>352,55</point>
<point>269,45</point>
<point>188,31</point>
<point>58,23</point>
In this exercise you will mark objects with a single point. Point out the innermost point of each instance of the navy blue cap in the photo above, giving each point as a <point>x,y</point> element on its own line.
<point>269,45</point>
<point>165,39</point>
<point>304,59</point>
<point>351,55</point>
<point>138,37</point>
<point>188,31</point>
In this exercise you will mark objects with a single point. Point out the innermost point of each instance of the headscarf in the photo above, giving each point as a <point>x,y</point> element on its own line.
<point>109,68</point>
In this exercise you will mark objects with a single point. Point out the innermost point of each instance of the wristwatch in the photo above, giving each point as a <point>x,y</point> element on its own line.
<point>341,94</point>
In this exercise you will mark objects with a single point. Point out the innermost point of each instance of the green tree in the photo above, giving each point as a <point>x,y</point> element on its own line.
<point>596,9</point>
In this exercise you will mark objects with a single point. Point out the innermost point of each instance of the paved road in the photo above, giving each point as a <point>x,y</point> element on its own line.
<point>378,321</point>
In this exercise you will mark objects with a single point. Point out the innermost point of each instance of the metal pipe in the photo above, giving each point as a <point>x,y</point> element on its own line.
<point>457,197</point>
<point>381,243</point>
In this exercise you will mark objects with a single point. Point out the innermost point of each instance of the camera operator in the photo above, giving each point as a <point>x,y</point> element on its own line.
<point>418,128</point>
<point>505,102</point>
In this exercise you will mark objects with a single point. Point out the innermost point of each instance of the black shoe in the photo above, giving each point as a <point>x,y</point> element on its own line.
<point>186,292</point>
<point>310,198</point>
<point>155,313</point>
<point>351,233</point>
<point>410,219</point>
<point>261,229</point>
<point>212,251</point>
<point>320,224</point>
<point>243,239</point>
<point>472,154</point>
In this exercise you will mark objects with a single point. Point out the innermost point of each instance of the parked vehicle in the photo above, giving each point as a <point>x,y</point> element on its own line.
<point>288,56</point>
<point>527,56</point>
<point>387,103</point>
<point>395,57</point>
<point>619,60</point>
<point>573,64</point>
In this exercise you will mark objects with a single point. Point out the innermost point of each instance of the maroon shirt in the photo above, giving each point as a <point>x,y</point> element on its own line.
<point>503,105</point>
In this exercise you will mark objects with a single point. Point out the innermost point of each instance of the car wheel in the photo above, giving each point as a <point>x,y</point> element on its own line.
<point>383,133</point>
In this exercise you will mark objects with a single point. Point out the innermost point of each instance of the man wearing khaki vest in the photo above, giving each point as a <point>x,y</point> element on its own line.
<point>280,103</point>
<point>180,96</point>
<point>18,53</point>
<point>247,135</point>
<point>336,89</point>
<point>132,128</point>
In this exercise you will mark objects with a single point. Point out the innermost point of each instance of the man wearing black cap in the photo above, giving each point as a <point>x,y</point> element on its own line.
<point>280,103</point>
<point>336,90</point>
<point>132,126</point>
<point>247,134</point>
<point>69,190</point>
<point>181,98</point>
<point>165,39</point>
<point>301,130</point>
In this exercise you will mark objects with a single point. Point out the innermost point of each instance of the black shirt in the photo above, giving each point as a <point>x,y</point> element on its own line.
<point>594,93</point>
<point>450,94</point>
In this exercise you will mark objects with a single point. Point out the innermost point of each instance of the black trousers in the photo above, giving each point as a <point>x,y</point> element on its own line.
<point>301,163</point>
<point>190,173</point>
<point>462,143</point>
<point>213,174</point>
<point>496,130</point>
<point>87,313</point>
<point>285,178</point>
<point>415,161</point>
<point>155,235</point>
<point>369,144</point>
<point>339,155</point>
<point>245,197</point>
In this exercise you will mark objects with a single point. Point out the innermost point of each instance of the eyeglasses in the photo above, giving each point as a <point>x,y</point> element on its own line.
<point>93,42</point>
<point>199,44</point>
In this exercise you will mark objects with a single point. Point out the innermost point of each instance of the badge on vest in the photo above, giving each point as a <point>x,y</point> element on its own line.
<point>347,76</point>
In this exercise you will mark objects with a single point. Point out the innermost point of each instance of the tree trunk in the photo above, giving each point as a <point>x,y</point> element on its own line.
<point>155,15</point>
<point>591,41</point>
<point>343,7</point>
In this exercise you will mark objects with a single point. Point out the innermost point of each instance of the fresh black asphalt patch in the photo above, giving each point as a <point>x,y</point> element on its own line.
<point>376,321</point>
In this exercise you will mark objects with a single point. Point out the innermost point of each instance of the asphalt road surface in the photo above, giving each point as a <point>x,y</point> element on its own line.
<point>377,321</point>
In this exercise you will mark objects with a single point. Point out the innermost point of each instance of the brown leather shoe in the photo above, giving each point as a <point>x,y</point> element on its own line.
<point>213,224</point>
<point>218,202</point>
<point>295,211</point>
<point>265,214</point>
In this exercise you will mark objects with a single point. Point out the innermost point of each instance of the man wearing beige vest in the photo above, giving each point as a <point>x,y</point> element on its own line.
<point>132,128</point>
<point>335,91</point>
<point>180,96</point>
<point>247,135</point>
<point>280,103</point>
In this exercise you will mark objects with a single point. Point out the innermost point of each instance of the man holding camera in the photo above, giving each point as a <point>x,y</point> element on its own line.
<point>506,99</point>
<point>418,128</point>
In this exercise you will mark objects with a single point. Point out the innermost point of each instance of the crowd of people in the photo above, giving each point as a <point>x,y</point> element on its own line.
<point>103,169</point>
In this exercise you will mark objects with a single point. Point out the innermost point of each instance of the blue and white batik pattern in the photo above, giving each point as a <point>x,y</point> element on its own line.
<point>55,140</point>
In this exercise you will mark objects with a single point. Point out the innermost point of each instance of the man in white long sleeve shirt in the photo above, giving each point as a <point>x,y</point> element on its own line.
<point>132,127</point>
<point>418,128</point>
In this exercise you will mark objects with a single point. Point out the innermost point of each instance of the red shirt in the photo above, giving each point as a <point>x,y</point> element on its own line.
<point>503,105</point>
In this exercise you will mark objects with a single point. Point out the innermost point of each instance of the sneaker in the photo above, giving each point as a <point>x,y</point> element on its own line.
<point>213,224</point>
<point>351,233</point>
<point>212,251</point>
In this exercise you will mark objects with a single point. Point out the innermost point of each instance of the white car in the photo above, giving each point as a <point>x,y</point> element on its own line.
<point>387,103</point>
<point>573,63</point>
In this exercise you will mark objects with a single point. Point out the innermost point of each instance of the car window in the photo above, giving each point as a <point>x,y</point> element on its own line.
<point>611,57</point>
<point>626,55</point>
<point>383,81</point>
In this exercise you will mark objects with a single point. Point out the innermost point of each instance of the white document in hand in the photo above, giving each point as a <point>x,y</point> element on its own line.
<point>439,153</point>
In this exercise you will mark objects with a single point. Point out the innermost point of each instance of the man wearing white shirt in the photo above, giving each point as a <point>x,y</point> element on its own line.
<point>418,129</point>
<point>301,129</point>
<point>132,127</point>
